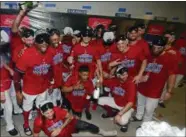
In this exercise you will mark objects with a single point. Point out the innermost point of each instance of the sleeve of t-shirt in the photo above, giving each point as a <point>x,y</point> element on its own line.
<point>63,113</point>
<point>146,49</point>
<point>132,92</point>
<point>15,40</point>
<point>69,82</point>
<point>22,63</point>
<point>142,56</point>
<point>37,125</point>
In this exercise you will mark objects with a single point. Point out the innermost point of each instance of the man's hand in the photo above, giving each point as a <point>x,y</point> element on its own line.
<point>136,79</point>
<point>70,59</point>
<point>56,132</point>
<point>3,99</point>
<point>167,96</point>
<point>115,63</point>
<point>19,97</point>
<point>11,72</point>
<point>117,119</point>
<point>78,86</point>
<point>144,78</point>
<point>172,52</point>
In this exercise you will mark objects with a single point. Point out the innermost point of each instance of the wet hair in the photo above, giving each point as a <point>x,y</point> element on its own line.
<point>121,70</point>
<point>83,68</point>
<point>141,25</point>
<point>133,28</point>
<point>53,31</point>
<point>41,38</point>
<point>26,32</point>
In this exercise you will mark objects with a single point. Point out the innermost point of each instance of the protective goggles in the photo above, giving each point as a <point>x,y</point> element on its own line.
<point>46,107</point>
<point>41,38</point>
<point>27,33</point>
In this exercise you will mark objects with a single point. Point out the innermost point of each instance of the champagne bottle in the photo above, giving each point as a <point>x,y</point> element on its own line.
<point>28,5</point>
<point>97,92</point>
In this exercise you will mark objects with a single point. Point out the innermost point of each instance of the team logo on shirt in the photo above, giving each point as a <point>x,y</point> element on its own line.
<point>154,67</point>
<point>119,91</point>
<point>41,69</point>
<point>78,92</point>
<point>128,63</point>
<point>58,58</point>
<point>183,51</point>
<point>106,57</point>
<point>55,125</point>
<point>85,58</point>
<point>66,48</point>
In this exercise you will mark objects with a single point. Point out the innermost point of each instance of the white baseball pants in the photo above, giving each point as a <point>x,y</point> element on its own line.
<point>29,100</point>
<point>146,107</point>
<point>110,102</point>
<point>7,106</point>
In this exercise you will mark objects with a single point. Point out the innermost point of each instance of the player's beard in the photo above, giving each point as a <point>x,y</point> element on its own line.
<point>157,53</point>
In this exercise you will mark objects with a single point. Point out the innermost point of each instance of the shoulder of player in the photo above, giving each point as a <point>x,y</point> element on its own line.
<point>38,121</point>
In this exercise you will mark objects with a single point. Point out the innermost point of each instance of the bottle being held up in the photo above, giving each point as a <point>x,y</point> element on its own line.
<point>28,5</point>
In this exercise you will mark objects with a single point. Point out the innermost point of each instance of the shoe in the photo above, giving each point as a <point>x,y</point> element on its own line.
<point>162,105</point>
<point>13,132</point>
<point>106,116</point>
<point>124,128</point>
<point>27,131</point>
<point>134,119</point>
<point>88,115</point>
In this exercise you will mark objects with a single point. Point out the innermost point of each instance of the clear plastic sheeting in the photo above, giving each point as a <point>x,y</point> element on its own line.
<point>153,128</point>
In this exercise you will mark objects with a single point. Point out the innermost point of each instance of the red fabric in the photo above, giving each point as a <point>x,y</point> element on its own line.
<point>159,69</point>
<point>5,80</point>
<point>85,56</point>
<point>122,92</point>
<point>36,67</point>
<point>144,47</point>
<point>77,98</point>
<point>180,45</point>
<point>48,125</point>
<point>58,66</point>
<point>7,20</point>
<point>155,29</point>
<point>177,58</point>
<point>132,59</point>
<point>105,54</point>
<point>16,46</point>
<point>93,22</point>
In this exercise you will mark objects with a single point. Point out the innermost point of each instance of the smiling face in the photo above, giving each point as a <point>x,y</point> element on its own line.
<point>54,40</point>
<point>84,75</point>
<point>49,114</point>
<point>122,45</point>
<point>133,35</point>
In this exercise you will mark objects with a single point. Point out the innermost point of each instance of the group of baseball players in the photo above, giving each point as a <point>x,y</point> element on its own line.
<point>60,76</point>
